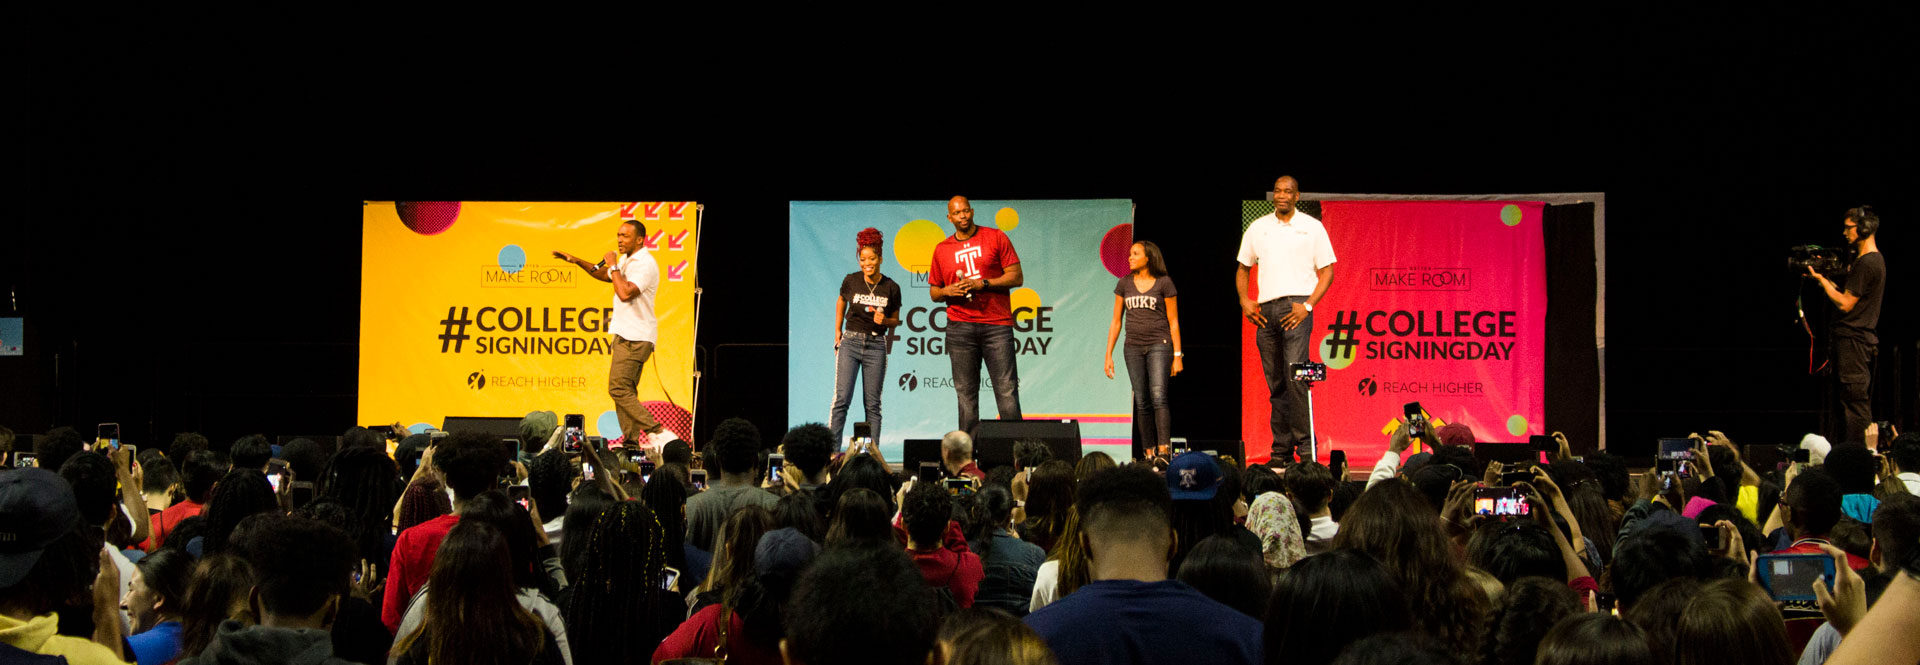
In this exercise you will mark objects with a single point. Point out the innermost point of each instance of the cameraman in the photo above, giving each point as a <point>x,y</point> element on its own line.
<point>1853,331</point>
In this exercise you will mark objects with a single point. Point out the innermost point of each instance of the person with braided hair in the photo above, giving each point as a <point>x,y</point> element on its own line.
<point>617,612</point>
<point>366,483</point>
<point>863,318</point>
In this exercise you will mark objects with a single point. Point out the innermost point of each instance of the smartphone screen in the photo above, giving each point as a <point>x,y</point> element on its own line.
<point>1676,448</point>
<point>1500,502</point>
<point>25,460</point>
<point>959,486</point>
<point>1336,459</point>
<point>1416,419</point>
<point>522,495</point>
<point>929,471</point>
<point>1711,534</point>
<point>1791,576</point>
<point>574,438</point>
<point>586,471</point>
<point>274,480</point>
<point>646,471</point>
<point>668,576</point>
<point>699,477</point>
<point>775,462</point>
<point>108,433</point>
<point>1543,443</point>
<point>512,448</point>
<point>1178,445</point>
<point>133,455</point>
<point>863,430</point>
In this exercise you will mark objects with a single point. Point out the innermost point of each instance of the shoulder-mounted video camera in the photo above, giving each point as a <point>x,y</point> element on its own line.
<point>1822,259</point>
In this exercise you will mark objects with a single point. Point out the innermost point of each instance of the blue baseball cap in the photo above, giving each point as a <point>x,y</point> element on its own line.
<point>1193,476</point>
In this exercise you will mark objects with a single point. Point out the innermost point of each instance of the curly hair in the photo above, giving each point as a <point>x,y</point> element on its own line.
<point>809,447</point>
<point>868,237</point>
<point>1530,608</point>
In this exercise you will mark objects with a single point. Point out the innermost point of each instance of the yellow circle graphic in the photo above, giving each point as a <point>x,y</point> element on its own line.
<point>1517,425</point>
<point>1006,219</point>
<point>913,245</point>
<point>1029,299</point>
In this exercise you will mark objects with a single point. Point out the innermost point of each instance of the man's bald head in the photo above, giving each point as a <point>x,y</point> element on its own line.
<point>960,214</point>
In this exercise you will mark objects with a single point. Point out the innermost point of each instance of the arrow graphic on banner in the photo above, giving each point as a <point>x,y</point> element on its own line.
<point>653,210</point>
<point>678,242</point>
<point>626,209</point>
<point>653,241</point>
<point>678,211</point>
<point>675,271</point>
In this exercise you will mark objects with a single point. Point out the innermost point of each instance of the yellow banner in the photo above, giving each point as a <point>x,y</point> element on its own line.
<point>465,311</point>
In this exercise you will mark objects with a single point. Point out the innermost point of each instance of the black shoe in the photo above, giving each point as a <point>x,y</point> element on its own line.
<point>1280,462</point>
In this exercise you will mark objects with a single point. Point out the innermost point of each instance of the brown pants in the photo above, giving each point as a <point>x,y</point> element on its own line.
<point>628,359</point>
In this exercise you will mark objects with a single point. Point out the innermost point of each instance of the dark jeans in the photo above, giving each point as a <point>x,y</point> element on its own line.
<point>967,345</point>
<point>1853,374</point>
<point>1149,366</point>
<point>1286,397</point>
<point>860,356</point>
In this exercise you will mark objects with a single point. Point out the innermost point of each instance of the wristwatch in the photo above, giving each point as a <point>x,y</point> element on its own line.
<point>1308,305</point>
<point>1178,354</point>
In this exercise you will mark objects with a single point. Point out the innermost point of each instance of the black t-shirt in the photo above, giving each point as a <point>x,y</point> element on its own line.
<point>1147,310</point>
<point>1865,281</point>
<point>862,298</point>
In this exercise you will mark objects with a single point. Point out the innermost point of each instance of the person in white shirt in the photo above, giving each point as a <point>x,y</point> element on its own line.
<point>1312,484</point>
<point>1903,460</point>
<point>1295,258</point>
<point>636,278</point>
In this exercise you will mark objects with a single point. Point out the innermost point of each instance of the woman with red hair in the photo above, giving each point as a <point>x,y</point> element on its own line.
<point>868,309</point>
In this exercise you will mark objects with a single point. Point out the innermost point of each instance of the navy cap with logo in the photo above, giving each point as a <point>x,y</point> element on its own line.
<point>36,509</point>
<point>1193,476</point>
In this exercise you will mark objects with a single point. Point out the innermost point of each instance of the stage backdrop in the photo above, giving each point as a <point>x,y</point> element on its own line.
<point>1438,302</point>
<point>1072,254</point>
<point>465,312</point>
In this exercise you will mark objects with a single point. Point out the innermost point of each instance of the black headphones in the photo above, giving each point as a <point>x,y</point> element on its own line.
<point>1864,220</point>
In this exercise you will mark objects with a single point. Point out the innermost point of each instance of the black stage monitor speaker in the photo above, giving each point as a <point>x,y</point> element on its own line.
<point>993,440</point>
<point>915,451</point>
<point>502,427</point>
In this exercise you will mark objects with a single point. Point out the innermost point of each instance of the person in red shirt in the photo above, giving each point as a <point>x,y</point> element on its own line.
<point>470,463</point>
<point>974,272</point>
<point>1808,509</point>
<point>199,472</point>
<point>752,616</point>
<point>956,454</point>
<point>944,562</point>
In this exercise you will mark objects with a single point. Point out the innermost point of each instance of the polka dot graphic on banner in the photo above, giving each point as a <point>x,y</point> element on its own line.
<point>428,218</point>
<point>512,258</point>
<point>1510,215</point>
<point>913,244</point>
<point>1517,425</point>
<point>1328,356</point>
<point>418,428</point>
<point>1114,247</point>
<point>608,425</point>
<point>1006,219</point>
<point>1026,298</point>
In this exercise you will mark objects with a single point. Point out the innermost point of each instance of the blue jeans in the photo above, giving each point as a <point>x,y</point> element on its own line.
<point>864,356</point>
<point>967,345</point>
<point>1286,397</point>
<point>1149,366</point>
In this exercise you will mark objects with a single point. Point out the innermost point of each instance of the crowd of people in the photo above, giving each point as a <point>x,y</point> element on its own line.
<point>452,548</point>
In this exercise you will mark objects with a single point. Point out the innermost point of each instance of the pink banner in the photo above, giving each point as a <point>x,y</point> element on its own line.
<point>1438,302</point>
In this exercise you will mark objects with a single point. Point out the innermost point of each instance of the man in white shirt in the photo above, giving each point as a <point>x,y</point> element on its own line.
<point>636,278</point>
<point>1296,267</point>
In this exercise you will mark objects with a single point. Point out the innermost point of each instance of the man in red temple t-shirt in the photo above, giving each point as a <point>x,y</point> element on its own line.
<point>973,272</point>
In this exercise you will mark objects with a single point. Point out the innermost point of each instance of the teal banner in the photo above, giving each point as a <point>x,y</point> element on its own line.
<point>1072,254</point>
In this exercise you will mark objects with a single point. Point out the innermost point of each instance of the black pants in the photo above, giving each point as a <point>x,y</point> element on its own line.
<point>1853,383</point>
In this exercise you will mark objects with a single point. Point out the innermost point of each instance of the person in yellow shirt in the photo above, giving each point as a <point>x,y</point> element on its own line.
<point>44,559</point>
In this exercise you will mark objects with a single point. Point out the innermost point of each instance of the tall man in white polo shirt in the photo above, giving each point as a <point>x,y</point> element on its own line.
<point>636,278</point>
<point>1296,267</point>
